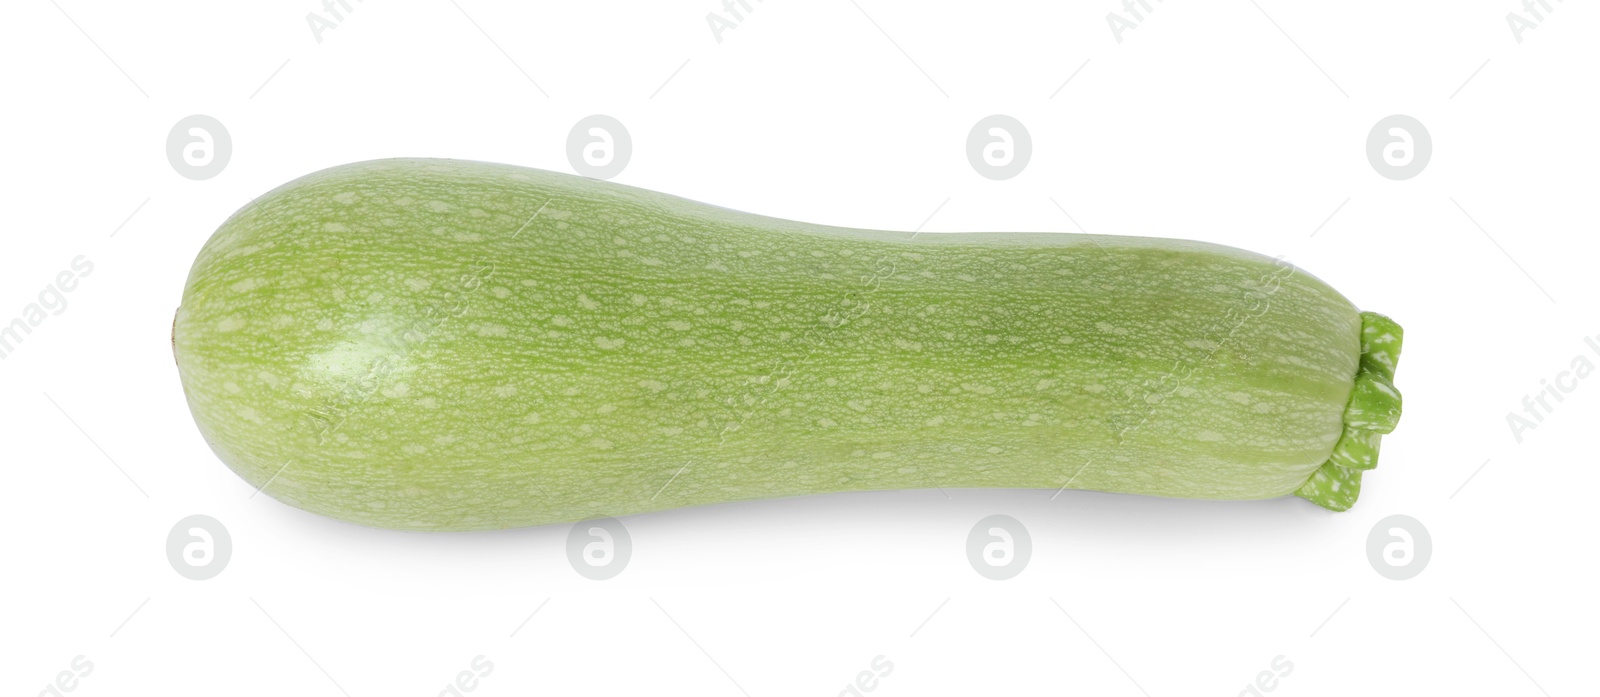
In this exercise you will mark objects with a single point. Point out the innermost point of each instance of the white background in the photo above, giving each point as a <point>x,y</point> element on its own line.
<point>1207,121</point>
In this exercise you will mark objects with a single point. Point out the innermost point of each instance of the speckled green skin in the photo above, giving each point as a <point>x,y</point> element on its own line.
<point>450,345</point>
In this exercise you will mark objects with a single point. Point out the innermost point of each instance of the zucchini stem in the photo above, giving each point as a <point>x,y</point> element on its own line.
<point>1374,409</point>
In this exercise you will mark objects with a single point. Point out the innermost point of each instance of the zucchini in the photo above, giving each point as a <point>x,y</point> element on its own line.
<point>451,345</point>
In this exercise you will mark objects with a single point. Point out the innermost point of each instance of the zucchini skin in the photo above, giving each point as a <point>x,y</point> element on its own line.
<point>452,345</point>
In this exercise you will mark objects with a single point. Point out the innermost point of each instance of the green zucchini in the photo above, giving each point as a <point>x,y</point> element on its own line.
<point>451,345</point>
